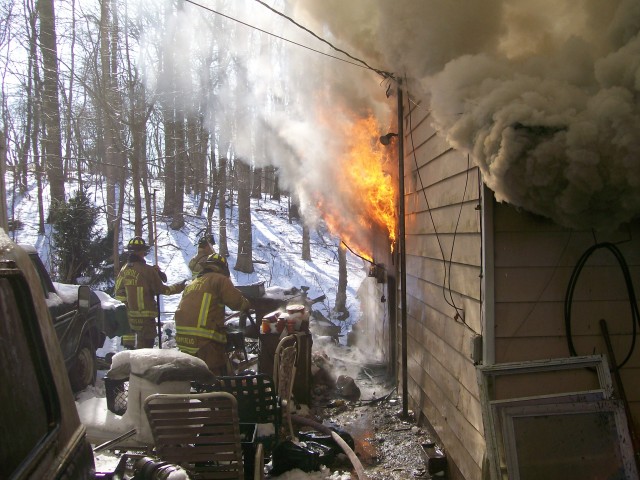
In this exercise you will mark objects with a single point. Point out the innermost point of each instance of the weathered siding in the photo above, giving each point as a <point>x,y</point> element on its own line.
<point>528,265</point>
<point>534,260</point>
<point>443,258</point>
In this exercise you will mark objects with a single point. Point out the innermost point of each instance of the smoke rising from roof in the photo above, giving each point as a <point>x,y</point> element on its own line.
<point>544,95</point>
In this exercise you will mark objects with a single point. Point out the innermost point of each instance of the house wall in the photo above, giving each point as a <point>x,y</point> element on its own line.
<point>534,260</point>
<point>443,275</point>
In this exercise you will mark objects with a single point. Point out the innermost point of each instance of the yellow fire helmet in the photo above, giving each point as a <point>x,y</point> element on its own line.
<point>137,244</point>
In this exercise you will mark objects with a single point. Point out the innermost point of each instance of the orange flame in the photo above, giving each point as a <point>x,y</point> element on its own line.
<point>370,190</point>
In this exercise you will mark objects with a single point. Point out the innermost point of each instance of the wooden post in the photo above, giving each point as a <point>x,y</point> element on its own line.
<point>4,218</point>
<point>155,261</point>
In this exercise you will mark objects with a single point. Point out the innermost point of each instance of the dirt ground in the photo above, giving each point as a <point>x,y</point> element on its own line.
<point>388,445</point>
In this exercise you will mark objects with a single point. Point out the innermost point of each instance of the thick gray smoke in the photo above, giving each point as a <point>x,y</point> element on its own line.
<point>273,103</point>
<point>544,95</point>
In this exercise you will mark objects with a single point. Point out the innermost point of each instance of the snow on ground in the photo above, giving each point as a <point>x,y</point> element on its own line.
<point>277,250</point>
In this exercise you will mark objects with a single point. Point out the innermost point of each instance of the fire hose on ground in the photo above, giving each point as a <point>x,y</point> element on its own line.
<point>355,461</point>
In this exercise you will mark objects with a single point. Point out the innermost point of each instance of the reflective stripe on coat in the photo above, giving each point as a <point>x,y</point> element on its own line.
<point>200,314</point>
<point>138,285</point>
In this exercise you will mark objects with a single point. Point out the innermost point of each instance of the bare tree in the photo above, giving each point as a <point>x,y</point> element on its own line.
<point>4,223</point>
<point>52,141</point>
<point>36,111</point>
<point>244,261</point>
<point>341,294</point>
<point>306,243</point>
<point>181,159</point>
<point>222,206</point>
<point>256,189</point>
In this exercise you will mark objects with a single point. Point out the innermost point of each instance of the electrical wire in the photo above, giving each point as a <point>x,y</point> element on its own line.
<point>568,300</point>
<point>358,255</point>
<point>433,223</point>
<point>365,66</point>
<point>382,73</point>
<point>455,234</point>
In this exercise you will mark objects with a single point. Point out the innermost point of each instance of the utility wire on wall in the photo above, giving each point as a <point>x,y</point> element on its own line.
<point>459,312</point>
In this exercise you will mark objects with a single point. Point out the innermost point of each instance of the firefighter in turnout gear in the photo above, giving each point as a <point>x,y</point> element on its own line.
<point>205,248</point>
<point>200,329</point>
<point>137,286</point>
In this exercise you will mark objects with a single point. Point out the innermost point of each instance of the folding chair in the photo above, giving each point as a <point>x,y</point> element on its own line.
<point>257,402</point>
<point>201,433</point>
<point>284,371</point>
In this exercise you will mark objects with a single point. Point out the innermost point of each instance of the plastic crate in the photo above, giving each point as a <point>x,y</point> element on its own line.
<point>117,392</point>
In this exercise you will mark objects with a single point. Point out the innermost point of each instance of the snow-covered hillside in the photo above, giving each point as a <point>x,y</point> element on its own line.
<point>277,246</point>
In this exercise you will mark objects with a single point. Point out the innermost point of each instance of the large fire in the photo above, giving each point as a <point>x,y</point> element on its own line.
<point>366,179</point>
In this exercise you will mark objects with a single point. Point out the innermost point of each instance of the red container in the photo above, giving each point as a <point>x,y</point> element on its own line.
<point>266,327</point>
<point>291,325</point>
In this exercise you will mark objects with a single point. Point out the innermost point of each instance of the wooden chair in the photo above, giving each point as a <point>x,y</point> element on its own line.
<point>284,371</point>
<point>201,433</point>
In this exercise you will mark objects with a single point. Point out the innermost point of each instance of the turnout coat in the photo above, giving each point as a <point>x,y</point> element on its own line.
<point>201,313</point>
<point>137,286</point>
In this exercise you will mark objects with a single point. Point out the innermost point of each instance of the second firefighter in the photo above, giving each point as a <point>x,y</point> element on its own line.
<point>200,329</point>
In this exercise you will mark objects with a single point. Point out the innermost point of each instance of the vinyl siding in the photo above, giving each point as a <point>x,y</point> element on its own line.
<point>534,260</point>
<point>443,258</point>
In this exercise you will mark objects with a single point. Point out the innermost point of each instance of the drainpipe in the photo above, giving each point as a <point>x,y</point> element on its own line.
<point>401,250</point>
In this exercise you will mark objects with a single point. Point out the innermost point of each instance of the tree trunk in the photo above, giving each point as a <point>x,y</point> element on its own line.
<point>244,261</point>
<point>70,98</point>
<point>222,207</point>
<point>4,220</point>
<point>306,244</point>
<point>170,162</point>
<point>181,161</point>
<point>32,88</point>
<point>107,102</point>
<point>137,120</point>
<point>256,190</point>
<point>341,294</point>
<point>213,181</point>
<point>294,211</point>
<point>37,128</point>
<point>275,185</point>
<point>196,174</point>
<point>52,143</point>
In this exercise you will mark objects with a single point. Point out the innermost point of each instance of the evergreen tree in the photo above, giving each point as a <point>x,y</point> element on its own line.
<point>77,249</point>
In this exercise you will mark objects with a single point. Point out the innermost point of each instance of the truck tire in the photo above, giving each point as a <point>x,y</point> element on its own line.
<point>83,370</point>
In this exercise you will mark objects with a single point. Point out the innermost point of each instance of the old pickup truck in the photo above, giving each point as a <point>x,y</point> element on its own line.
<point>80,331</point>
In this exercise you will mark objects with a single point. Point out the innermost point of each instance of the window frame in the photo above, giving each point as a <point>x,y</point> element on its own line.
<point>19,288</point>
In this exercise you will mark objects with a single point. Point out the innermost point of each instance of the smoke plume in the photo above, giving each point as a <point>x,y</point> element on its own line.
<point>543,95</point>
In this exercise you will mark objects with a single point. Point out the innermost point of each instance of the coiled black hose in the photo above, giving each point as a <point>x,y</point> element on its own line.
<point>568,299</point>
